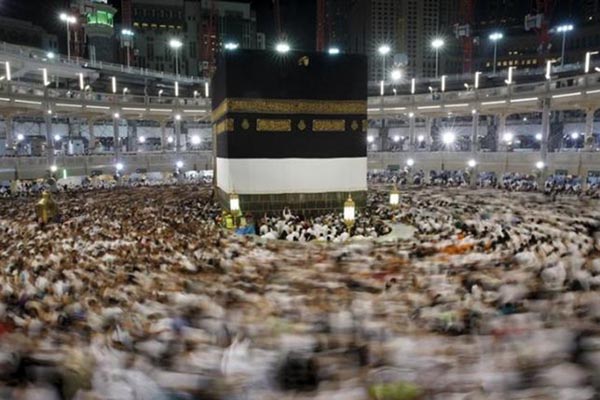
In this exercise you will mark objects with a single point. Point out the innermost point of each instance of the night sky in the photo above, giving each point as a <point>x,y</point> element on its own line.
<point>298,16</point>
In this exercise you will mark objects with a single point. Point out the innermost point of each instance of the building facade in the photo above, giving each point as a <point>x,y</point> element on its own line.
<point>591,9</point>
<point>25,33</point>
<point>408,27</point>
<point>419,25</point>
<point>521,48</point>
<point>202,26</point>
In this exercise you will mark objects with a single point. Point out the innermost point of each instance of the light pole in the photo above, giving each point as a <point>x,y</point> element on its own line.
<point>127,36</point>
<point>68,19</point>
<point>383,50</point>
<point>564,29</point>
<point>176,45</point>
<point>437,44</point>
<point>494,37</point>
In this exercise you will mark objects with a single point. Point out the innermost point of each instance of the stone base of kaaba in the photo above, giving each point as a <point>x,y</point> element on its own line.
<point>298,203</point>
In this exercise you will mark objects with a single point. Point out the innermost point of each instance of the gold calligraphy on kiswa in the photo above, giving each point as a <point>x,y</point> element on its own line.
<point>329,125</point>
<point>293,107</point>
<point>226,125</point>
<point>273,125</point>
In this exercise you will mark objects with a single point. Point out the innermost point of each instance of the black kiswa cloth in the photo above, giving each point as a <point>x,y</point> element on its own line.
<point>256,74</point>
<point>295,105</point>
<point>291,145</point>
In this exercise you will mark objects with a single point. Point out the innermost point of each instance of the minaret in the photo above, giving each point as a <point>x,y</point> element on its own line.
<point>99,29</point>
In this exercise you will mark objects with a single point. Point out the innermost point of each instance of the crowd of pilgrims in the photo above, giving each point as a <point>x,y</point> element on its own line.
<point>329,227</point>
<point>138,293</point>
<point>554,184</point>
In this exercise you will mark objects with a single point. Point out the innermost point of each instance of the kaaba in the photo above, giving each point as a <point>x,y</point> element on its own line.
<point>289,130</point>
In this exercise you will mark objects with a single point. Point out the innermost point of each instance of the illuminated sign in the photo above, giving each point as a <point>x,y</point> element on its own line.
<point>100,18</point>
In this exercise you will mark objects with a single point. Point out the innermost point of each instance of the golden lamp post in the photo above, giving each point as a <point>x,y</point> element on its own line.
<point>349,212</point>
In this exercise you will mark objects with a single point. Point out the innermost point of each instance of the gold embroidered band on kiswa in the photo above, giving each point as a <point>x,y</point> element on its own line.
<point>329,125</point>
<point>224,126</point>
<point>263,106</point>
<point>273,125</point>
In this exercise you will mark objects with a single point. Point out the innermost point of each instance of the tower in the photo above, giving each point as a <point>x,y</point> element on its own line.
<point>98,27</point>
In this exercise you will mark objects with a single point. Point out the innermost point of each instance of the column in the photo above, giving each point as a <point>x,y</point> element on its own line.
<point>412,140</point>
<point>383,136</point>
<point>49,138</point>
<point>177,135</point>
<point>544,144</point>
<point>163,136</point>
<point>116,141</point>
<point>132,139</point>
<point>8,125</point>
<point>475,148</point>
<point>428,138</point>
<point>92,136</point>
<point>589,129</point>
<point>500,145</point>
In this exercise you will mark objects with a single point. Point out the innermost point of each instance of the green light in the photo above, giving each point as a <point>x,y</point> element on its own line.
<point>64,173</point>
<point>100,18</point>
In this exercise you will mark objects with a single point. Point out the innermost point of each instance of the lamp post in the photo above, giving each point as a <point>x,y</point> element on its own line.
<point>383,50</point>
<point>234,207</point>
<point>349,212</point>
<point>394,197</point>
<point>68,19</point>
<point>119,169</point>
<point>564,29</point>
<point>495,37</point>
<point>508,138</point>
<point>176,44</point>
<point>127,36</point>
<point>437,44</point>
<point>540,172</point>
<point>472,172</point>
<point>178,167</point>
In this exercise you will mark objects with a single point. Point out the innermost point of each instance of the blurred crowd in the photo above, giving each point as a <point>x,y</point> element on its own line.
<point>327,227</point>
<point>35,187</point>
<point>138,294</point>
<point>515,182</point>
